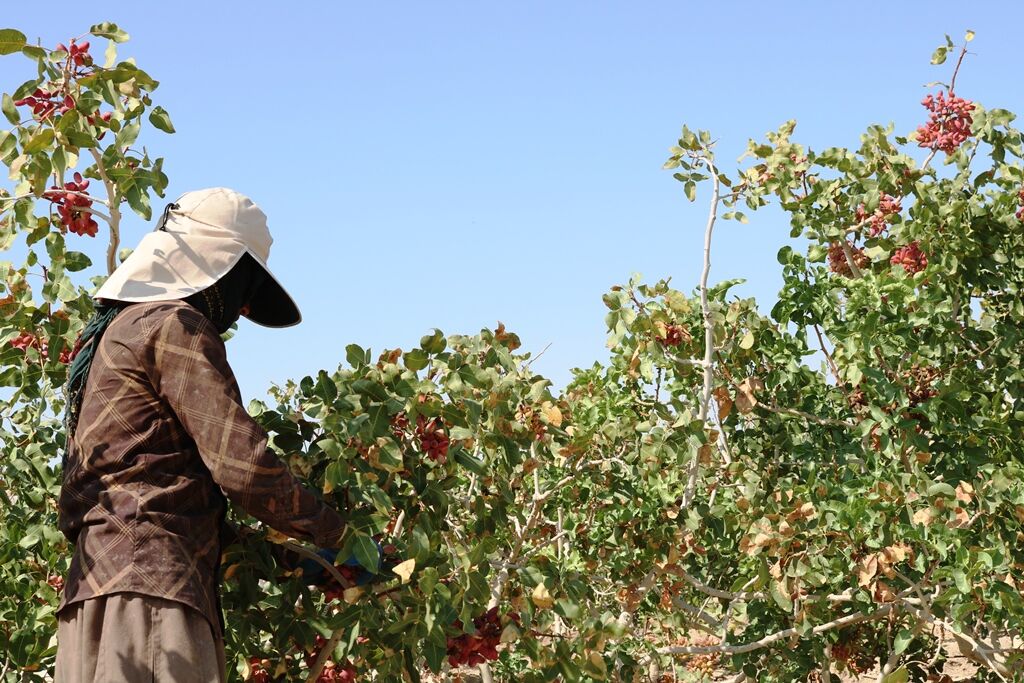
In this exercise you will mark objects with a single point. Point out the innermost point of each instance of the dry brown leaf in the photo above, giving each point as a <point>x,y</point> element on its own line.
<point>867,570</point>
<point>924,516</point>
<point>964,491</point>
<point>746,399</point>
<point>961,519</point>
<point>883,593</point>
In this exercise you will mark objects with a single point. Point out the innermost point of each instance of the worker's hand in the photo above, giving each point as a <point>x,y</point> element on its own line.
<point>315,574</point>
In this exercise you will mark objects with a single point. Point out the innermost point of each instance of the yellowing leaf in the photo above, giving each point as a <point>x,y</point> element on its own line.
<point>510,633</point>
<point>541,597</point>
<point>405,569</point>
<point>551,412</point>
<point>352,595</point>
<point>747,341</point>
<point>969,36</point>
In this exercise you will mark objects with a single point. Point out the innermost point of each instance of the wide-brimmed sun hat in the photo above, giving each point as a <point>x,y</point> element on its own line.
<point>198,239</point>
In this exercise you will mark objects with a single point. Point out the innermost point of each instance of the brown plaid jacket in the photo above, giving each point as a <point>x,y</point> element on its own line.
<point>162,437</point>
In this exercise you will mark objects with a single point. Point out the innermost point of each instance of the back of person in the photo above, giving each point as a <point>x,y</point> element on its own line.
<point>137,498</point>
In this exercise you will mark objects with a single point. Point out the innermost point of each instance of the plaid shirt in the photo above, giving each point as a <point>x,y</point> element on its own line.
<point>162,437</point>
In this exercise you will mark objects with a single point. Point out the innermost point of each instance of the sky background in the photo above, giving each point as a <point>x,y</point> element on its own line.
<point>453,164</point>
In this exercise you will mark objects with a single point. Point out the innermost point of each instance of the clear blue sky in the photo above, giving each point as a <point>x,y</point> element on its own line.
<point>452,164</point>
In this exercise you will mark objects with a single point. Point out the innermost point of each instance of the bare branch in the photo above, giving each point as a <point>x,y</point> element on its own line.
<point>842,622</point>
<point>709,326</point>
<point>114,221</point>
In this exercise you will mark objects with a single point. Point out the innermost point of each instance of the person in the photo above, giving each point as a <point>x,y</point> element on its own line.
<point>158,440</point>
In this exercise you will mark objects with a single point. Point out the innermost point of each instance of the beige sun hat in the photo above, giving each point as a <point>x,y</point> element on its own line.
<point>199,238</point>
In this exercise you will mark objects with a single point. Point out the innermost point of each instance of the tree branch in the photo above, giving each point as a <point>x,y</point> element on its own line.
<point>709,327</point>
<point>114,220</point>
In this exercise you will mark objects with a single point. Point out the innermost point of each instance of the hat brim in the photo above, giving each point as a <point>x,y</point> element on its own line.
<point>271,305</point>
<point>171,265</point>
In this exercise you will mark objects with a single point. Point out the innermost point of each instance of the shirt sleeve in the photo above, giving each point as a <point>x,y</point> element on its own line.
<point>190,371</point>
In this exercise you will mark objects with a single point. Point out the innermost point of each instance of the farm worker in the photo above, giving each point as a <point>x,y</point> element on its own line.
<point>158,438</point>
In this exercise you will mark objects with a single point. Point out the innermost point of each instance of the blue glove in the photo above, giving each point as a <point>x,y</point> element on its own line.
<point>316,574</point>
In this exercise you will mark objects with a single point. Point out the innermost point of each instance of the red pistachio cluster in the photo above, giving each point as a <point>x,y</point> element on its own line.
<point>73,205</point>
<point>258,670</point>
<point>949,122</point>
<point>839,264</point>
<point>433,439</point>
<point>911,258</point>
<point>44,102</point>
<point>674,335</point>
<point>879,219</point>
<point>56,582</point>
<point>1020,211</point>
<point>399,423</point>
<point>27,340</point>
<point>472,650</point>
<point>332,672</point>
<point>77,52</point>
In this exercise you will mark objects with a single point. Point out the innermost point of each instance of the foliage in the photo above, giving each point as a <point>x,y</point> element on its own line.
<point>705,498</point>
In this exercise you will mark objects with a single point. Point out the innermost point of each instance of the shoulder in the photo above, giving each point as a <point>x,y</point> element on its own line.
<point>169,322</point>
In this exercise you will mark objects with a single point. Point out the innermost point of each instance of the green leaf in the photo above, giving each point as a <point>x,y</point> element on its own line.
<point>10,111</point>
<point>435,655</point>
<point>161,119</point>
<point>366,553</point>
<point>781,597</point>
<point>434,343</point>
<point>34,51</point>
<point>139,201</point>
<point>900,675</point>
<point>11,41</point>
<point>7,143</point>
<point>941,489</point>
<point>110,55</point>
<point>902,640</point>
<point>960,578</point>
<point>75,261</point>
<point>939,56</point>
<point>355,355</point>
<point>690,188</point>
<point>390,457</point>
<point>127,135</point>
<point>469,462</point>
<point>39,141</point>
<point>110,31</point>
<point>416,359</point>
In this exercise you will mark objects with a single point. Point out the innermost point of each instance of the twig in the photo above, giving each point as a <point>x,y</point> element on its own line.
<point>842,622</point>
<point>828,356</point>
<point>709,327</point>
<point>807,416</point>
<point>324,656</point>
<point>115,213</point>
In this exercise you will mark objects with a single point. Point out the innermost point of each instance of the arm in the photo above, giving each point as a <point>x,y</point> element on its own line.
<point>191,373</point>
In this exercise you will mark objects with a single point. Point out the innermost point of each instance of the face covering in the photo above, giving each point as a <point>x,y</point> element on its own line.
<point>222,301</point>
